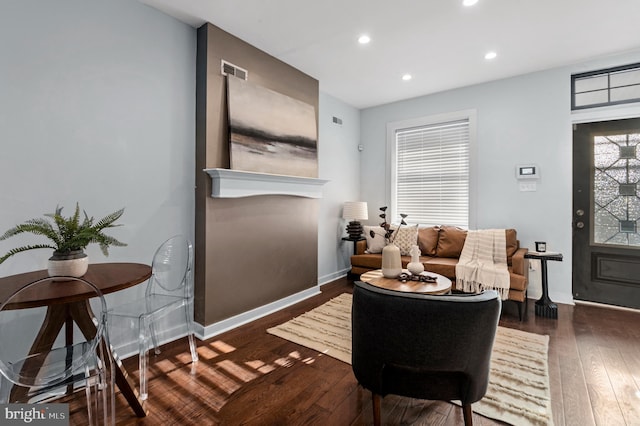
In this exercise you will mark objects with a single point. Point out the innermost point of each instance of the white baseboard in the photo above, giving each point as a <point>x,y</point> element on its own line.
<point>209,331</point>
<point>565,299</point>
<point>130,348</point>
<point>166,335</point>
<point>326,279</point>
<point>602,305</point>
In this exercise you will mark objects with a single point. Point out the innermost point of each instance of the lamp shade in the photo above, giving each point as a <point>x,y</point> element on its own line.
<point>355,210</point>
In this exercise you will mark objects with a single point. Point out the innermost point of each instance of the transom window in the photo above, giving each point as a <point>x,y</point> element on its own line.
<point>605,87</point>
<point>430,179</point>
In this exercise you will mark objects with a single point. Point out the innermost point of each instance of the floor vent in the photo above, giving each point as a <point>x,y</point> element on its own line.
<point>227,68</point>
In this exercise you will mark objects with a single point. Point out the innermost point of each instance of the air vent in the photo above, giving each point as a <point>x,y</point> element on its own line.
<point>227,68</point>
<point>337,120</point>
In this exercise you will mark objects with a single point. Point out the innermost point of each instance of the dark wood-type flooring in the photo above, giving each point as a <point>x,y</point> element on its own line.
<point>249,377</point>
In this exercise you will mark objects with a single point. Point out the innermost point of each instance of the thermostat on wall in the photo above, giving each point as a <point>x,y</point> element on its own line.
<point>527,171</point>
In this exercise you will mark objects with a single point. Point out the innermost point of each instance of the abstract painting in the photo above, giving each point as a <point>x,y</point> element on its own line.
<point>270,132</point>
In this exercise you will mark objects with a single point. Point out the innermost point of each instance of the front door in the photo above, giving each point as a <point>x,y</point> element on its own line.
<point>606,212</point>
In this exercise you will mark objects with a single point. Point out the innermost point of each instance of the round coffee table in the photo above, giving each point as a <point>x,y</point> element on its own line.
<point>441,286</point>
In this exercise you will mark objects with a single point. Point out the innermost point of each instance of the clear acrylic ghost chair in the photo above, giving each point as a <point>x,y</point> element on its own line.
<point>169,288</point>
<point>59,342</point>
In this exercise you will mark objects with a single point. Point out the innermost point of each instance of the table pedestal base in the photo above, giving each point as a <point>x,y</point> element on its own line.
<point>547,309</point>
<point>545,306</point>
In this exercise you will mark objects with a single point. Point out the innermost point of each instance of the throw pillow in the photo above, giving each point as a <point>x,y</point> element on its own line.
<point>451,241</point>
<point>428,240</point>
<point>375,243</point>
<point>406,237</point>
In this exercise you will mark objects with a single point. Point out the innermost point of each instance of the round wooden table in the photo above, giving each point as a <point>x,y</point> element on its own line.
<point>66,306</point>
<point>108,277</point>
<point>441,286</point>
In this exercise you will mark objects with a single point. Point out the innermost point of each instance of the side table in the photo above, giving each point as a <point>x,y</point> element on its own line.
<point>441,286</point>
<point>355,242</point>
<point>545,307</point>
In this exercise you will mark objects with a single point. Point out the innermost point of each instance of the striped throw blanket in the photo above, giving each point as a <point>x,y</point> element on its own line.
<point>483,263</point>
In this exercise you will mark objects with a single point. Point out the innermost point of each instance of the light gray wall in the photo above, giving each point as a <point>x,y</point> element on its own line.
<point>520,120</point>
<point>339,161</point>
<point>97,106</point>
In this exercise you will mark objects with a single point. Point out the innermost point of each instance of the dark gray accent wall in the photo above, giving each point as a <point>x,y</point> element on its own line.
<point>256,250</point>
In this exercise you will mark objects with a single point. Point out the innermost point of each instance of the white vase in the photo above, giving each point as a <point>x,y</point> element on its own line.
<point>74,264</point>
<point>391,262</point>
<point>415,266</point>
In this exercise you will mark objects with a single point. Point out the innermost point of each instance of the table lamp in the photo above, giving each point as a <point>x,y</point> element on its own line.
<point>355,211</point>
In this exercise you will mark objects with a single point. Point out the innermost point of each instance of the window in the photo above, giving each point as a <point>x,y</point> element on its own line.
<point>605,87</point>
<point>430,177</point>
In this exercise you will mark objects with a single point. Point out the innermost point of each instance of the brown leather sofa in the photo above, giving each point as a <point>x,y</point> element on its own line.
<point>441,247</point>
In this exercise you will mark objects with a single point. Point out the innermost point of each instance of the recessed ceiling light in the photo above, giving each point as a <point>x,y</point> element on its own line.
<point>407,77</point>
<point>469,2</point>
<point>364,39</point>
<point>490,55</point>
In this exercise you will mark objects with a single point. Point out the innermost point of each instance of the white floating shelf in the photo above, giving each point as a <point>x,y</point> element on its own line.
<point>226,183</point>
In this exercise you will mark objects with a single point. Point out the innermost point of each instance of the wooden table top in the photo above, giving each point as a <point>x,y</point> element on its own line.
<point>108,277</point>
<point>441,286</point>
<point>543,255</point>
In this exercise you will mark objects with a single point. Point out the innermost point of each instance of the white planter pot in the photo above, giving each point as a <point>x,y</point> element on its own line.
<point>75,267</point>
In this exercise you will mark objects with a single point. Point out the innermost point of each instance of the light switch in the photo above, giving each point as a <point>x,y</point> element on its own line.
<point>527,186</point>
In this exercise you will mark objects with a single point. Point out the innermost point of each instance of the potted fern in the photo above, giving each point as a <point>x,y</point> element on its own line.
<point>69,237</point>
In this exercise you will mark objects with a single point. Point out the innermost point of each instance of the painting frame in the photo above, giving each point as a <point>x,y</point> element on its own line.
<point>270,132</point>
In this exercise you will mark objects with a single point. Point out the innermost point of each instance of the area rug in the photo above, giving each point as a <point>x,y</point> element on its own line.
<point>518,391</point>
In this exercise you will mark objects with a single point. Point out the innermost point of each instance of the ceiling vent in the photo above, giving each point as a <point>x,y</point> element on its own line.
<point>227,68</point>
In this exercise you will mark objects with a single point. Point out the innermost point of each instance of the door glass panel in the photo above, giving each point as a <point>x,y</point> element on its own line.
<point>616,202</point>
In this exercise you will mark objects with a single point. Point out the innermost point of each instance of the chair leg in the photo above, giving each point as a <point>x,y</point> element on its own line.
<point>192,340</point>
<point>143,357</point>
<point>468,415</point>
<point>5,389</point>
<point>92,397</point>
<point>154,339</point>
<point>520,310</point>
<point>376,408</point>
<point>106,385</point>
<point>99,389</point>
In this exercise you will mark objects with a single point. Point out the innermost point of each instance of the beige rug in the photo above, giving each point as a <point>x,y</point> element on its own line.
<point>518,390</point>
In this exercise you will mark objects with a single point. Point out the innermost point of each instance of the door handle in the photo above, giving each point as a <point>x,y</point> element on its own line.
<point>580,225</point>
<point>579,212</point>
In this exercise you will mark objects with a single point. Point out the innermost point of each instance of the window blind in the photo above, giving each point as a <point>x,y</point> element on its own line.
<point>432,173</point>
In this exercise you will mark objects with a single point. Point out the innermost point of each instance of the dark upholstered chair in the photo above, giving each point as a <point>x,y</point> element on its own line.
<point>423,346</point>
